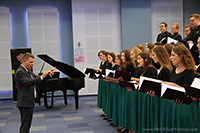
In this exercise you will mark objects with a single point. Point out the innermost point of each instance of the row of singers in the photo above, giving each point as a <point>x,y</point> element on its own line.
<point>192,32</point>
<point>173,64</point>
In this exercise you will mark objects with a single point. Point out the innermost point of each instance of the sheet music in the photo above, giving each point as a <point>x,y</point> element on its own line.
<point>190,45</point>
<point>162,39</point>
<point>171,40</point>
<point>97,75</point>
<point>108,71</point>
<point>84,70</point>
<point>142,78</point>
<point>196,83</point>
<point>158,71</point>
<point>197,66</point>
<point>133,82</point>
<point>166,86</point>
<point>136,86</point>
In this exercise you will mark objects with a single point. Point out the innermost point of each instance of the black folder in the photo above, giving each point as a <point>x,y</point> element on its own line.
<point>93,76</point>
<point>125,75</point>
<point>174,94</point>
<point>92,73</point>
<point>90,70</point>
<point>111,75</point>
<point>125,84</point>
<point>191,91</point>
<point>149,85</point>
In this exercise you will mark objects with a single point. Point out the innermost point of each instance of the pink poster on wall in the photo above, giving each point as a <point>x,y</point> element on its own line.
<point>79,55</point>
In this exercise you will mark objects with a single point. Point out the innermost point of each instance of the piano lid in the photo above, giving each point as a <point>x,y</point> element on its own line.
<point>63,67</point>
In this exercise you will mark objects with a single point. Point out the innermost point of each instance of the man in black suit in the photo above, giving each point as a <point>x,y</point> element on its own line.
<point>194,34</point>
<point>26,82</point>
<point>174,30</point>
<point>162,37</point>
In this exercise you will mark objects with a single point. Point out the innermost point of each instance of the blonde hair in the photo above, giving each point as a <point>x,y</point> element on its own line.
<point>150,46</point>
<point>168,47</point>
<point>140,46</point>
<point>187,58</point>
<point>188,26</point>
<point>176,24</point>
<point>136,51</point>
<point>26,56</point>
<point>178,43</point>
<point>163,57</point>
<point>196,16</point>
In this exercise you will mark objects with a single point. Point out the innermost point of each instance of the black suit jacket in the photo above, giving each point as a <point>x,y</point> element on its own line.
<point>194,35</point>
<point>25,85</point>
<point>177,36</point>
<point>163,35</point>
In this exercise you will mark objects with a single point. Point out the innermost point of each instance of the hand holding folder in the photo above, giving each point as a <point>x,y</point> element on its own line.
<point>150,85</point>
<point>125,75</point>
<point>129,85</point>
<point>94,74</point>
<point>90,70</point>
<point>110,73</point>
<point>194,89</point>
<point>177,94</point>
<point>151,93</point>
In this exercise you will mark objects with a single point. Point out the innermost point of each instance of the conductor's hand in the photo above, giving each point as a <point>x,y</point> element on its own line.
<point>44,74</point>
<point>51,73</point>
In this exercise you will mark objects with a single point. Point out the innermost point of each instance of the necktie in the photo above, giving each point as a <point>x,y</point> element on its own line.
<point>194,28</point>
<point>35,94</point>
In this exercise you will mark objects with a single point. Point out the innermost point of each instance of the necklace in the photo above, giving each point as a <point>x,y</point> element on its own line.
<point>178,71</point>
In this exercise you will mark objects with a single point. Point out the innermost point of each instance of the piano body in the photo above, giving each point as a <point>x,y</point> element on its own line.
<point>75,81</point>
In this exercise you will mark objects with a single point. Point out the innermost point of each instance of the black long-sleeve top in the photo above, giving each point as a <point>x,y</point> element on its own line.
<point>164,74</point>
<point>185,77</point>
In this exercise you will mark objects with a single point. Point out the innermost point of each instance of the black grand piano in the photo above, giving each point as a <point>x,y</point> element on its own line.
<point>75,81</point>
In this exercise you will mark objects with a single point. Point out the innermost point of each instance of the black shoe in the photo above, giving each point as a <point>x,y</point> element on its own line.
<point>37,100</point>
<point>109,120</point>
<point>119,129</point>
<point>102,115</point>
<point>112,124</point>
<point>106,118</point>
<point>125,131</point>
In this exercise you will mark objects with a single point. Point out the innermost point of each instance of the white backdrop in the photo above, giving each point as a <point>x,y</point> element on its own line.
<point>43,34</point>
<point>96,25</point>
<point>169,11</point>
<point>5,45</point>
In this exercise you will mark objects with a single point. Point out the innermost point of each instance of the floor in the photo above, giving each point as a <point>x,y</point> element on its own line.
<point>59,119</point>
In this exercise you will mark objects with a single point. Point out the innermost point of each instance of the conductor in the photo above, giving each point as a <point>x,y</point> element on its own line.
<point>26,82</point>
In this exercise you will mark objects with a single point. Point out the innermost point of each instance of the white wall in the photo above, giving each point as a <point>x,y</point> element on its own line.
<point>5,45</point>
<point>43,34</point>
<point>96,25</point>
<point>169,11</point>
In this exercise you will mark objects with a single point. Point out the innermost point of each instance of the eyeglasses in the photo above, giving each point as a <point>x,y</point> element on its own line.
<point>192,20</point>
